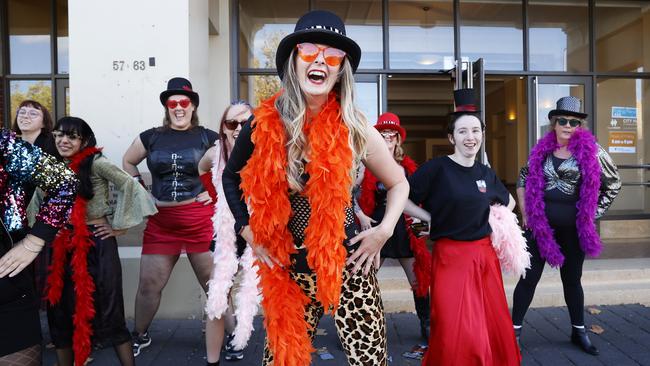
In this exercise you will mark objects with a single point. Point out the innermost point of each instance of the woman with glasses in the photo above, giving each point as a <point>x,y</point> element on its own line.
<point>34,124</point>
<point>84,292</point>
<point>233,296</point>
<point>404,242</point>
<point>293,169</point>
<point>23,167</point>
<point>569,182</point>
<point>183,222</point>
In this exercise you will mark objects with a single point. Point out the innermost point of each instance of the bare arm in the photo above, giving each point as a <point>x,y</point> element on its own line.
<point>134,156</point>
<point>383,166</point>
<point>416,211</point>
<point>205,164</point>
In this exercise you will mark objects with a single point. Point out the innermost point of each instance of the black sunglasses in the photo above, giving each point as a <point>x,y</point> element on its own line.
<point>572,122</point>
<point>232,124</point>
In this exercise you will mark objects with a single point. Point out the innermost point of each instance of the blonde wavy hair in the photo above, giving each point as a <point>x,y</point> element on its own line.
<point>292,107</point>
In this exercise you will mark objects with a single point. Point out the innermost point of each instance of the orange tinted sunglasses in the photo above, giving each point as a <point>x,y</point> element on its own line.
<point>308,52</point>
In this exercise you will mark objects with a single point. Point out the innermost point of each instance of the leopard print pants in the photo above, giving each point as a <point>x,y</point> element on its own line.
<point>360,321</point>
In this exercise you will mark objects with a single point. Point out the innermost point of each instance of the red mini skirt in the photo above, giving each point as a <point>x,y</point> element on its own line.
<point>176,229</point>
<point>470,322</point>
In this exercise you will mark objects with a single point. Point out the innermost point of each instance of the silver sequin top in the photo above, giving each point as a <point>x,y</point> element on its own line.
<point>567,178</point>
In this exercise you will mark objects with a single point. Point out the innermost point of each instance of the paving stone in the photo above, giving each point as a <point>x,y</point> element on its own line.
<point>545,340</point>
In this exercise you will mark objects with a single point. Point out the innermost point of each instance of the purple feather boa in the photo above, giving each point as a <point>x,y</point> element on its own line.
<point>584,148</point>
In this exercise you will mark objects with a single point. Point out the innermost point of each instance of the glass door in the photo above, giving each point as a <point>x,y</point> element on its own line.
<point>370,95</point>
<point>546,90</point>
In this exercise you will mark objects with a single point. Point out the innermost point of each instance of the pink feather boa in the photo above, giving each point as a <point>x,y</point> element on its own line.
<point>508,241</point>
<point>584,148</point>
<point>226,264</point>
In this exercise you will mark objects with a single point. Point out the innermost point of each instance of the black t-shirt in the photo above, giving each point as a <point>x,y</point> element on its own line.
<point>457,197</point>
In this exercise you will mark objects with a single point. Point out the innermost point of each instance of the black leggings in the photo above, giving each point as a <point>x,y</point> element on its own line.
<point>570,272</point>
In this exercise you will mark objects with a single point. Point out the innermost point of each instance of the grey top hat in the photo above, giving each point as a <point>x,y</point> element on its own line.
<point>568,106</point>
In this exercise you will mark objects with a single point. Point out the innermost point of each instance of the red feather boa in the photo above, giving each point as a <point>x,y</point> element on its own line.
<point>265,187</point>
<point>422,264</point>
<point>78,242</point>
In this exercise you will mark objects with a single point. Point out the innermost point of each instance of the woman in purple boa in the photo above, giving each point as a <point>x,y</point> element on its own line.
<point>570,181</point>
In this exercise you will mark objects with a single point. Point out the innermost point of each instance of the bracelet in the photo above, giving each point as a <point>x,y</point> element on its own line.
<point>25,241</point>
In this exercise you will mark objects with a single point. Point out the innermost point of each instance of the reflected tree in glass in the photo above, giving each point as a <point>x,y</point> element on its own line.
<point>40,91</point>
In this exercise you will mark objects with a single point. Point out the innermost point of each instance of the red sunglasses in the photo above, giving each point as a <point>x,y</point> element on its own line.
<point>308,52</point>
<point>184,103</point>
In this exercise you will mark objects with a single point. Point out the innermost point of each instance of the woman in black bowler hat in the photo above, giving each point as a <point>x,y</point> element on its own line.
<point>293,169</point>
<point>183,222</point>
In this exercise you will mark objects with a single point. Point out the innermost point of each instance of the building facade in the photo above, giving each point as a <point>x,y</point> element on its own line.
<point>108,61</point>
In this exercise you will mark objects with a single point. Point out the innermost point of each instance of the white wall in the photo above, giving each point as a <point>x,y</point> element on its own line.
<point>219,65</point>
<point>121,104</point>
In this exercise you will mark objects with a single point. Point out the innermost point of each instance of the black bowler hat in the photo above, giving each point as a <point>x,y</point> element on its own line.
<point>568,106</point>
<point>180,86</point>
<point>318,26</point>
<point>465,101</point>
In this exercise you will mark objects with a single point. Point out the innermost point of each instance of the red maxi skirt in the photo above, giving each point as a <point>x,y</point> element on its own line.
<point>470,322</point>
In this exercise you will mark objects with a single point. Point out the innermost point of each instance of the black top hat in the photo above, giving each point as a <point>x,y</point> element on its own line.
<point>318,26</point>
<point>179,86</point>
<point>465,101</point>
<point>568,106</point>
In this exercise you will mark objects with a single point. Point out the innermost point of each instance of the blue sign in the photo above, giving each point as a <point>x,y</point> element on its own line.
<point>624,112</point>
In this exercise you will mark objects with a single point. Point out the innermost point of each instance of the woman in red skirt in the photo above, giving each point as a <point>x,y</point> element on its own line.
<point>184,219</point>
<point>470,322</point>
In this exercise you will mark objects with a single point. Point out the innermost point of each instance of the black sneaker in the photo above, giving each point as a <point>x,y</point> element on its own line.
<point>140,341</point>
<point>231,353</point>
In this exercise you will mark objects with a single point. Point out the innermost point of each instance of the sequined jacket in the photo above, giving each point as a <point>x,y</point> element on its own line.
<point>567,178</point>
<point>23,167</point>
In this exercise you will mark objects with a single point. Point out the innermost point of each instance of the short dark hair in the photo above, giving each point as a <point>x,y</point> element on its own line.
<point>47,118</point>
<point>453,117</point>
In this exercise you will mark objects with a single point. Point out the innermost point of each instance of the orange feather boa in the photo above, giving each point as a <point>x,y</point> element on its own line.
<point>78,241</point>
<point>265,187</point>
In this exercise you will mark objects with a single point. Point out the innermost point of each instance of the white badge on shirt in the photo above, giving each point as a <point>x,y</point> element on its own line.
<point>482,187</point>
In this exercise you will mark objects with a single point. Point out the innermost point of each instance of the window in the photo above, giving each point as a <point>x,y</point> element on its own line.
<point>30,24</point>
<point>559,35</point>
<point>362,20</point>
<point>492,30</point>
<point>262,25</point>
<point>623,118</point>
<point>622,36</point>
<point>421,34</point>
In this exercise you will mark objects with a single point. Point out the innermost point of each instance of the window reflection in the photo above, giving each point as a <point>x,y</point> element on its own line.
<point>421,34</point>
<point>262,25</point>
<point>493,30</point>
<point>62,36</point>
<point>622,36</point>
<point>38,90</point>
<point>362,20</point>
<point>29,36</point>
<point>559,35</point>
<point>257,88</point>
<point>367,98</point>
<point>623,116</point>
